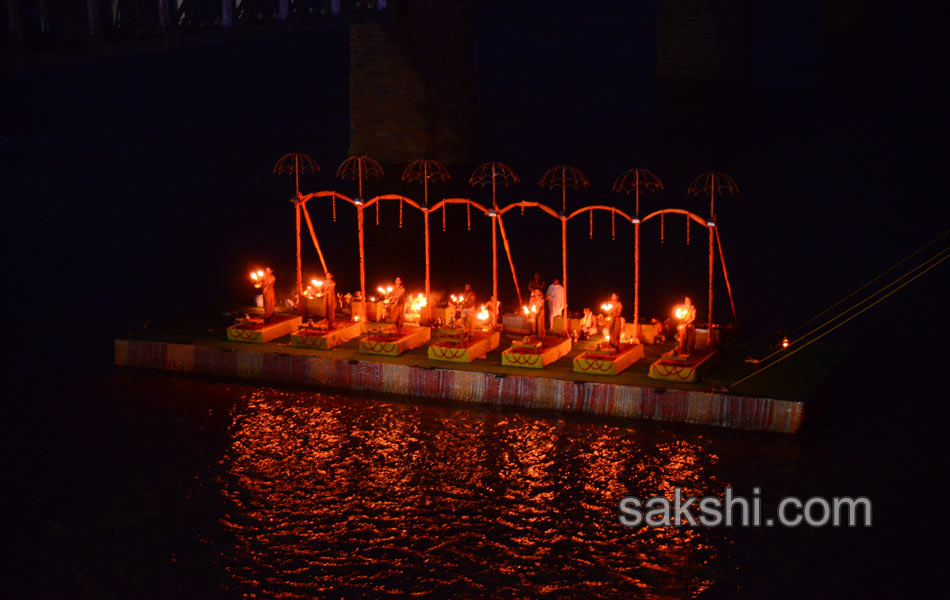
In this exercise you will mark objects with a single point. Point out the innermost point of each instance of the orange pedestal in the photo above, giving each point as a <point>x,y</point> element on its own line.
<point>390,344</point>
<point>601,363</point>
<point>552,348</point>
<point>319,338</point>
<point>256,331</point>
<point>680,369</point>
<point>453,351</point>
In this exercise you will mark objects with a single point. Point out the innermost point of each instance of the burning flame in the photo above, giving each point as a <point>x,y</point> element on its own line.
<point>681,312</point>
<point>607,306</point>
<point>785,342</point>
<point>482,313</point>
<point>316,282</point>
<point>534,309</point>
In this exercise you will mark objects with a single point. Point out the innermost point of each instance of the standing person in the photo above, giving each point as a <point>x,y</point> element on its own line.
<point>468,309</point>
<point>687,314</point>
<point>397,301</point>
<point>329,288</point>
<point>537,311</point>
<point>615,326</point>
<point>557,301</point>
<point>267,290</point>
<point>536,284</point>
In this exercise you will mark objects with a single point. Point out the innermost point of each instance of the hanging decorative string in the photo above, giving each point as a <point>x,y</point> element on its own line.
<point>377,212</point>
<point>468,214</point>
<point>334,209</point>
<point>661,226</point>
<point>687,230</point>
<point>591,214</point>
<point>444,206</point>
<point>400,213</point>
<point>613,225</point>
<point>522,210</point>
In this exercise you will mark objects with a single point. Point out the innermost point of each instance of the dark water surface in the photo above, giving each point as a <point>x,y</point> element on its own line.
<point>150,485</point>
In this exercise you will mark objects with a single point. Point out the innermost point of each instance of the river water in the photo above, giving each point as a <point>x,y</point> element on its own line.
<point>153,485</point>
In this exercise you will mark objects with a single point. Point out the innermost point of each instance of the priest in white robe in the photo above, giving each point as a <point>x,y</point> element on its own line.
<point>557,301</point>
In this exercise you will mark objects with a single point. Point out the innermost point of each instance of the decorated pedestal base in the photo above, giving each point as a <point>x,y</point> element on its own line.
<point>464,351</point>
<point>256,331</point>
<point>534,356</point>
<point>388,343</point>
<point>680,369</point>
<point>600,362</point>
<point>320,338</point>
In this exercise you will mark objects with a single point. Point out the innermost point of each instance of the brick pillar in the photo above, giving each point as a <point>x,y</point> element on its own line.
<point>703,40</point>
<point>412,85</point>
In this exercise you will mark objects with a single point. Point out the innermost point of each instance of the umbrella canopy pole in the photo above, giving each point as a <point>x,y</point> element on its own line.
<point>564,270</point>
<point>712,255</point>
<point>636,282</point>
<point>494,271</point>
<point>359,222</point>
<point>425,217</point>
<point>494,252</point>
<point>299,267</point>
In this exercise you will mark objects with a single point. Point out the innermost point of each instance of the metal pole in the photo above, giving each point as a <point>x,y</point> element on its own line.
<point>636,281</point>
<point>359,223</point>
<point>425,216</point>
<point>494,252</point>
<point>564,269</point>
<point>711,258</point>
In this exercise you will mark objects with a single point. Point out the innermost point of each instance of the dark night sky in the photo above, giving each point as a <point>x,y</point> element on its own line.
<point>140,186</point>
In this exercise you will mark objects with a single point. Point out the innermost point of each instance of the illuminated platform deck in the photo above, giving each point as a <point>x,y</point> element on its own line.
<point>773,401</point>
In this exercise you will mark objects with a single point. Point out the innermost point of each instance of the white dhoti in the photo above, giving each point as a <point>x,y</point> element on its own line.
<point>557,302</point>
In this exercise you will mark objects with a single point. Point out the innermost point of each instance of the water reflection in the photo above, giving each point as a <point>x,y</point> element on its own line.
<point>346,496</point>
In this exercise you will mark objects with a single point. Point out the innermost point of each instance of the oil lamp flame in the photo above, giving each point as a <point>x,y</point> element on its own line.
<point>785,342</point>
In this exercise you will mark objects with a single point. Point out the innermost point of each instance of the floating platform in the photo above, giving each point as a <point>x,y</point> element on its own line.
<point>600,362</point>
<point>536,355</point>
<point>774,401</point>
<point>320,338</point>
<point>688,368</point>
<point>258,331</point>
<point>386,342</point>
<point>450,349</point>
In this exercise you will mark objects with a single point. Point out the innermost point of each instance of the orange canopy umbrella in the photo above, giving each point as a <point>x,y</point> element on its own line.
<point>712,183</point>
<point>422,171</point>
<point>493,173</point>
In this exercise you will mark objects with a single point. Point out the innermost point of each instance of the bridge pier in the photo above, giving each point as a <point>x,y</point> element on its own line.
<point>412,85</point>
